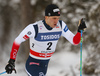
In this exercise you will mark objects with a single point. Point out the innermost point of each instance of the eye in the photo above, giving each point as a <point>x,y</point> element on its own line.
<point>55,18</point>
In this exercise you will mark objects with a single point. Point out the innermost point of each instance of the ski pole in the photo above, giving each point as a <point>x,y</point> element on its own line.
<point>81,54</point>
<point>2,73</point>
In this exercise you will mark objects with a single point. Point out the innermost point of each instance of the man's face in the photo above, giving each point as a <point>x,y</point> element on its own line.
<point>52,20</point>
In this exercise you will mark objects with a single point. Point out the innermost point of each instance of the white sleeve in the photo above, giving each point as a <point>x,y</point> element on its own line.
<point>67,33</point>
<point>28,32</point>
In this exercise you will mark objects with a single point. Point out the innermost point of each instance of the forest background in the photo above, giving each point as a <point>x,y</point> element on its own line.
<point>15,15</point>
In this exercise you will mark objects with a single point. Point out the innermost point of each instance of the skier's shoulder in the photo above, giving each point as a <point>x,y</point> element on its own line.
<point>35,23</point>
<point>32,24</point>
<point>62,23</point>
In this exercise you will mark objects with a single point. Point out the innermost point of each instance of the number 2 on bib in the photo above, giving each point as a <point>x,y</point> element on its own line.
<point>49,45</point>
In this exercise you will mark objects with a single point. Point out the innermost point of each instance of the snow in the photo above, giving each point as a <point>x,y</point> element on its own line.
<point>78,10</point>
<point>61,64</point>
<point>64,10</point>
<point>93,8</point>
<point>70,15</point>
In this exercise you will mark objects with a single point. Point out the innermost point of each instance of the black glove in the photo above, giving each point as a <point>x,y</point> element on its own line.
<point>10,66</point>
<point>81,25</point>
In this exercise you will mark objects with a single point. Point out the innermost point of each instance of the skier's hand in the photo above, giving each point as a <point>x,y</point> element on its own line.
<point>10,66</point>
<point>81,25</point>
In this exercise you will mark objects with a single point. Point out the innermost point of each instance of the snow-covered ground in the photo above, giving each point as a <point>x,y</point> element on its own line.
<point>64,63</point>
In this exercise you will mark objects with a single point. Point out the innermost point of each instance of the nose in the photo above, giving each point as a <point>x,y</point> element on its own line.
<point>56,20</point>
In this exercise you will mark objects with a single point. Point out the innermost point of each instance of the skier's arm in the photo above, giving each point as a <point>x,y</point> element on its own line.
<point>81,26</point>
<point>74,39</point>
<point>23,36</point>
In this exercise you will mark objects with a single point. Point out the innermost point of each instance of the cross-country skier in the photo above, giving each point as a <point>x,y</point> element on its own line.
<point>43,35</point>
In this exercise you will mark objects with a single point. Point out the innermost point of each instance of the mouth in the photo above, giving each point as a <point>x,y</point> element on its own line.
<point>55,24</point>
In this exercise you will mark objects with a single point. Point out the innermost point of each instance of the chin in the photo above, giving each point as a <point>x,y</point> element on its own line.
<point>53,26</point>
